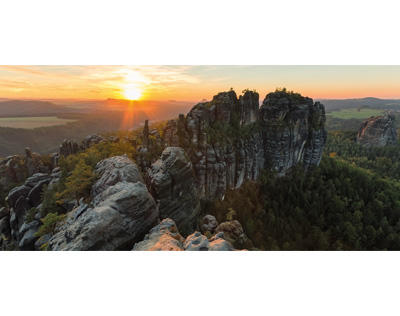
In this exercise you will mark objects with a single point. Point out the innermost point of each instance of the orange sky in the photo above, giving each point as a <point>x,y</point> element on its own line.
<point>193,83</point>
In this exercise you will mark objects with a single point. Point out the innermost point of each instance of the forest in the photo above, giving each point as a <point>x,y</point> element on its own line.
<point>337,206</point>
<point>350,202</point>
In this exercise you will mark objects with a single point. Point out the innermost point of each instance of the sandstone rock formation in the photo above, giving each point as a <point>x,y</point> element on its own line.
<point>122,211</point>
<point>293,130</point>
<point>165,236</point>
<point>20,200</point>
<point>173,184</point>
<point>70,147</point>
<point>230,140</point>
<point>378,131</point>
<point>15,169</point>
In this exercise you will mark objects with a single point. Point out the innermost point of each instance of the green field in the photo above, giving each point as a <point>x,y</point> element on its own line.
<point>32,122</point>
<point>355,113</point>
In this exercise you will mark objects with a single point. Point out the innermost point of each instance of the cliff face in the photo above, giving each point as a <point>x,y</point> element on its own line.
<point>292,131</point>
<point>230,139</point>
<point>378,131</point>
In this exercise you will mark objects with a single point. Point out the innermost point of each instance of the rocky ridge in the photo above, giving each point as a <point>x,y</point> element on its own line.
<point>230,139</point>
<point>121,212</point>
<point>217,146</point>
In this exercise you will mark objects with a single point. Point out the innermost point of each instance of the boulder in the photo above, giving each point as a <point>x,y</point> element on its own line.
<point>165,236</point>
<point>114,170</point>
<point>209,223</point>
<point>234,233</point>
<point>218,243</point>
<point>122,211</point>
<point>196,242</point>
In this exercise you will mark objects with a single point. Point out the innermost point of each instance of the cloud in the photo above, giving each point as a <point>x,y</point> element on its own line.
<point>24,69</point>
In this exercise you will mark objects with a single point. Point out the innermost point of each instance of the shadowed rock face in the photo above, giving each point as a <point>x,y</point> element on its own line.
<point>292,131</point>
<point>378,131</point>
<point>174,186</point>
<point>15,169</point>
<point>122,212</point>
<point>230,140</point>
<point>20,200</point>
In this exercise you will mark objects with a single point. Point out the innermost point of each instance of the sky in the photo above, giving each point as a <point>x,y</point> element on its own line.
<point>194,83</point>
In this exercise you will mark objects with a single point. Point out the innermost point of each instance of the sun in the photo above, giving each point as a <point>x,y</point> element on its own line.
<point>132,93</point>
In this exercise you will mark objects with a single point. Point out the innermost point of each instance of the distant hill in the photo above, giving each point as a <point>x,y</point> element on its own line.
<point>47,139</point>
<point>31,108</point>
<point>369,102</point>
<point>154,109</point>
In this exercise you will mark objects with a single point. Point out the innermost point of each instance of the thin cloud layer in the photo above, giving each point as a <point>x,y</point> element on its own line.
<point>193,83</point>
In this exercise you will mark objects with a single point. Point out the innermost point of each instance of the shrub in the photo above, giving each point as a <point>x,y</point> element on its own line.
<point>50,203</point>
<point>79,183</point>
<point>49,224</point>
<point>30,214</point>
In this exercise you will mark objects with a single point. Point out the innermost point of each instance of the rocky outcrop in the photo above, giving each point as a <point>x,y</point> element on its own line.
<point>292,131</point>
<point>20,200</point>
<point>91,140</point>
<point>149,146</point>
<point>68,147</point>
<point>165,237</point>
<point>71,147</point>
<point>5,230</point>
<point>114,170</point>
<point>121,213</point>
<point>174,186</point>
<point>15,169</point>
<point>234,233</point>
<point>378,131</point>
<point>230,140</point>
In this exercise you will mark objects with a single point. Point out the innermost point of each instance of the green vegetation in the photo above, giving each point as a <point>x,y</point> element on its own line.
<point>50,202</point>
<point>49,223</point>
<point>351,119</point>
<point>291,95</point>
<point>336,206</point>
<point>3,195</point>
<point>79,183</point>
<point>78,171</point>
<point>355,113</point>
<point>30,214</point>
<point>384,161</point>
<point>47,139</point>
